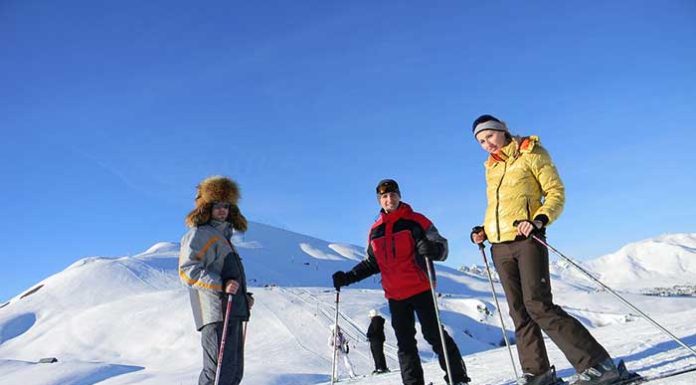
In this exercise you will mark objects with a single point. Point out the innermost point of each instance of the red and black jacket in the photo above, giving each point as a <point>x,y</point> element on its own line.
<point>393,251</point>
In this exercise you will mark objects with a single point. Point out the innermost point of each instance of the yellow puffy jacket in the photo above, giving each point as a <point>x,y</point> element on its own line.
<point>522,183</point>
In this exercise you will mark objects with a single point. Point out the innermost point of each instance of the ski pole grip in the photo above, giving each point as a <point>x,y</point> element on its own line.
<point>535,230</point>
<point>476,229</point>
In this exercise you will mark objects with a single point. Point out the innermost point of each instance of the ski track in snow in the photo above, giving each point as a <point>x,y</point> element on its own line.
<point>286,324</point>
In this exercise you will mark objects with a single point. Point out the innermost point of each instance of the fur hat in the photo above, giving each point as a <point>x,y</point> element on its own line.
<point>212,190</point>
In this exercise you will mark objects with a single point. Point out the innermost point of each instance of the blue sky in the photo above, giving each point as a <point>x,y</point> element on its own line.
<point>112,112</point>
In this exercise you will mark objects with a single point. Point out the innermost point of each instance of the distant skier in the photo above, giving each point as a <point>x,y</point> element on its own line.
<point>375,334</point>
<point>399,242</point>
<point>523,185</point>
<point>340,342</point>
<point>210,266</point>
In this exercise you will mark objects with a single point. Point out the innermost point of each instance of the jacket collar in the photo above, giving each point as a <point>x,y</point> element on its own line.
<point>401,211</point>
<point>517,146</point>
<point>222,226</point>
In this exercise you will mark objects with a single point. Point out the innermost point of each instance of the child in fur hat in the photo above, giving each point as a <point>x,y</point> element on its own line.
<point>211,268</point>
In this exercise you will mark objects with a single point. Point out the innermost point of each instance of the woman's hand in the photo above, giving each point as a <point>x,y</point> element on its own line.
<point>525,228</point>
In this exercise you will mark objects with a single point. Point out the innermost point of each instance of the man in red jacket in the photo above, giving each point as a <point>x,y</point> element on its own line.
<point>401,242</point>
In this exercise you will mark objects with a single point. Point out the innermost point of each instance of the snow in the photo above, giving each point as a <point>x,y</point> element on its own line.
<point>118,321</point>
<point>663,261</point>
<point>318,253</point>
<point>162,248</point>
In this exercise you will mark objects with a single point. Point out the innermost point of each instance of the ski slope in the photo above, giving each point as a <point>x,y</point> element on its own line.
<point>118,321</point>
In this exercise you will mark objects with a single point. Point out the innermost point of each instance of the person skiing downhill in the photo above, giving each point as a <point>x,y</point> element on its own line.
<point>339,342</point>
<point>375,334</point>
<point>525,195</point>
<point>401,242</point>
<point>211,268</point>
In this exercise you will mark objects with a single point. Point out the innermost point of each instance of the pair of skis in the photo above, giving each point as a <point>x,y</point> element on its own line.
<point>638,379</point>
<point>633,378</point>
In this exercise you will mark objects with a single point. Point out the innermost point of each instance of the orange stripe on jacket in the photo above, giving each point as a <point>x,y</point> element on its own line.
<point>205,248</point>
<point>195,282</point>
<point>199,256</point>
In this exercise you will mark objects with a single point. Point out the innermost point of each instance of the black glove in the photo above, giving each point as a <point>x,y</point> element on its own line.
<point>340,278</point>
<point>537,225</point>
<point>476,229</point>
<point>429,249</point>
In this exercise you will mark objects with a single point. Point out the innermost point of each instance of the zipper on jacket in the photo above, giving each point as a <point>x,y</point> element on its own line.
<point>389,238</point>
<point>529,212</point>
<point>497,200</point>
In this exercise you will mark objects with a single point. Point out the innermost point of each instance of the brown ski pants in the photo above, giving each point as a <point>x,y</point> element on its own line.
<point>523,267</point>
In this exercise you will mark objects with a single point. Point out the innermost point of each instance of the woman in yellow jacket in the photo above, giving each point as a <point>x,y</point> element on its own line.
<point>525,195</point>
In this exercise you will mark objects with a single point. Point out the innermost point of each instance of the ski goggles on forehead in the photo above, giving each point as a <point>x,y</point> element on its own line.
<point>387,186</point>
<point>221,205</point>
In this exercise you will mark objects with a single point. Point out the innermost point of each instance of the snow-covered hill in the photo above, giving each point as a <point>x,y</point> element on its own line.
<point>127,320</point>
<point>664,261</point>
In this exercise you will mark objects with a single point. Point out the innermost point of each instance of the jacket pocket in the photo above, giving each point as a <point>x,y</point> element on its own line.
<point>408,271</point>
<point>404,246</point>
<point>379,249</point>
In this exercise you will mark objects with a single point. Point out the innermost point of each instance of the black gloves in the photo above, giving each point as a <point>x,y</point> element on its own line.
<point>429,249</point>
<point>536,224</point>
<point>537,227</point>
<point>340,278</point>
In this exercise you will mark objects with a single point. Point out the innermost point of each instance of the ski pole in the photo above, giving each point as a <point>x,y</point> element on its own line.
<point>244,333</point>
<point>335,334</point>
<point>500,314</point>
<point>221,351</point>
<point>657,325</point>
<point>244,329</point>
<point>439,323</point>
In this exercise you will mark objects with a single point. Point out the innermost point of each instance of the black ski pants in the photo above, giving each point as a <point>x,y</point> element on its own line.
<point>523,267</point>
<point>377,349</point>
<point>233,358</point>
<point>403,314</point>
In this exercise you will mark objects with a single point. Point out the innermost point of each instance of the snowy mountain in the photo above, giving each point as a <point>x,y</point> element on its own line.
<point>661,262</point>
<point>127,320</point>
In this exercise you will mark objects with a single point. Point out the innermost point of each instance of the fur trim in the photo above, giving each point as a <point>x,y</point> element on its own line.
<point>237,220</point>
<point>528,143</point>
<point>216,189</point>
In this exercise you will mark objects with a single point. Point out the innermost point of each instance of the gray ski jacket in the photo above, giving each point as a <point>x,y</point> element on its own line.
<point>206,260</point>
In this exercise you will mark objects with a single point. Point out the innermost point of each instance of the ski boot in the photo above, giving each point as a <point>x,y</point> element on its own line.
<point>604,373</point>
<point>465,381</point>
<point>627,377</point>
<point>548,378</point>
